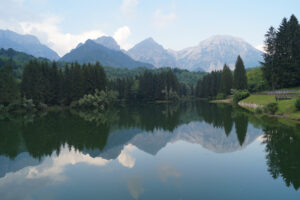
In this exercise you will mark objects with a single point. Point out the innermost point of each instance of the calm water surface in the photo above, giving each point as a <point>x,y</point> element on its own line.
<point>179,151</point>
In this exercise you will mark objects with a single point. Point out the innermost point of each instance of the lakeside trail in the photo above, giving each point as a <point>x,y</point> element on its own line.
<point>250,105</point>
<point>229,101</point>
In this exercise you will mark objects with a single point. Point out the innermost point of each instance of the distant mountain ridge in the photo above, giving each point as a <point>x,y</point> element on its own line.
<point>215,51</point>
<point>108,42</point>
<point>151,52</point>
<point>210,54</point>
<point>91,51</point>
<point>26,43</point>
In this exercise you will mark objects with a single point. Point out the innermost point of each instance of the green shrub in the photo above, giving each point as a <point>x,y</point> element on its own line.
<point>220,96</point>
<point>74,104</point>
<point>170,94</point>
<point>42,106</point>
<point>297,103</point>
<point>99,100</point>
<point>14,106</point>
<point>271,108</point>
<point>240,95</point>
<point>259,110</point>
<point>28,104</point>
<point>2,108</point>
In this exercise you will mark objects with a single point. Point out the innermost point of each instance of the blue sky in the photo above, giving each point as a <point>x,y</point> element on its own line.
<point>175,24</point>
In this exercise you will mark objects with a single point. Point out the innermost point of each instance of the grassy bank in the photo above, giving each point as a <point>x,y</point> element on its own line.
<point>286,108</point>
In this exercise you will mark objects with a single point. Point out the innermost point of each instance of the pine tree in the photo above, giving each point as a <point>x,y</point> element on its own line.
<point>226,80</point>
<point>294,52</point>
<point>240,77</point>
<point>269,56</point>
<point>8,85</point>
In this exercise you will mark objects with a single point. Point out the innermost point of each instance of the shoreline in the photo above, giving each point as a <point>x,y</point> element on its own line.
<point>252,106</point>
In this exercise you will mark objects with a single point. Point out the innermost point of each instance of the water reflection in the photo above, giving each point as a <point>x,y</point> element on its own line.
<point>40,147</point>
<point>283,150</point>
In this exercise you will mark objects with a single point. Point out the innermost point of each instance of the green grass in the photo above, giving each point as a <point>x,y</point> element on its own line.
<point>285,107</point>
<point>259,99</point>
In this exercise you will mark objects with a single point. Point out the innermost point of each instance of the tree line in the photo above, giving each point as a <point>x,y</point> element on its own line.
<point>149,86</point>
<point>219,83</point>
<point>45,83</point>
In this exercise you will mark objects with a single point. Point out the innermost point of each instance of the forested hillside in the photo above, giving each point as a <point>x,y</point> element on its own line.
<point>19,60</point>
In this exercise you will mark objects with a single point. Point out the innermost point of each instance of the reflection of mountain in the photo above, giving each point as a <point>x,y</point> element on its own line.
<point>116,141</point>
<point>21,161</point>
<point>150,128</point>
<point>213,139</point>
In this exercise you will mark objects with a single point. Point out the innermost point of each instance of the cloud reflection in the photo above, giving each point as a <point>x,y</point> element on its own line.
<point>125,158</point>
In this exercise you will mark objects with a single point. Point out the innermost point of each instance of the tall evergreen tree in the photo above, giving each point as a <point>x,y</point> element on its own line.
<point>226,80</point>
<point>269,56</point>
<point>8,85</point>
<point>240,77</point>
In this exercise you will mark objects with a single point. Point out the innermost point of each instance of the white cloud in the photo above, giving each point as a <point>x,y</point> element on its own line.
<point>121,36</point>
<point>49,33</point>
<point>15,16</point>
<point>128,8</point>
<point>161,20</point>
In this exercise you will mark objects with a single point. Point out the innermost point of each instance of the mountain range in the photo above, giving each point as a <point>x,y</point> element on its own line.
<point>210,54</point>
<point>26,43</point>
<point>91,51</point>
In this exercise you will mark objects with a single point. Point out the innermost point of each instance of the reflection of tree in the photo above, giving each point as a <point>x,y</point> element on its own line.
<point>164,116</point>
<point>49,133</point>
<point>219,115</point>
<point>283,148</point>
<point>211,114</point>
<point>40,135</point>
<point>222,116</point>
<point>97,117</point>
<point>227,118</point>
<point>241,126</point>
<point>10,140</point>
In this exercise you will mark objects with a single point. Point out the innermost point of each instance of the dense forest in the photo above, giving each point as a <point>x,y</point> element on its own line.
<point>45,84</point>
<point>86,85</point>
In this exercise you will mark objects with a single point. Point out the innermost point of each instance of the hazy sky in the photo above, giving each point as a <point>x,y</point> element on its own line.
<point>176,24</point>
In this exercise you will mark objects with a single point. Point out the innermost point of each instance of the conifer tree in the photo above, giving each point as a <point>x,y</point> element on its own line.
<point>269,57</point>
<point>240,77</point>
<point>226,80</point>
<point>8,85</point>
